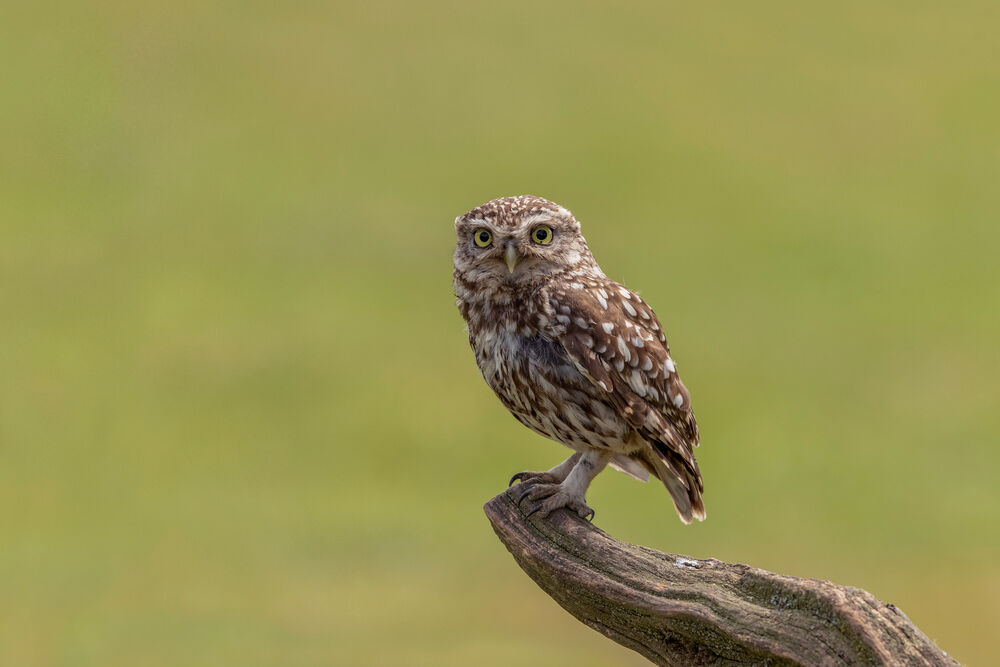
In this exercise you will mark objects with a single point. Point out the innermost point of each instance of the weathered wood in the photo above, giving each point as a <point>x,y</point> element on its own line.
<point>676,610</point>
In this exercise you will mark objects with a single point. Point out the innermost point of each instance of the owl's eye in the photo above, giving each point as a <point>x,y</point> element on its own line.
<point>542,234</point>
<point>482,237</point>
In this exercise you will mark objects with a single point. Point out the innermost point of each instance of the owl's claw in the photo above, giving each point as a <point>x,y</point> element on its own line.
<point>531,477</point>
<point>553,497</point>
<point>523,494</point>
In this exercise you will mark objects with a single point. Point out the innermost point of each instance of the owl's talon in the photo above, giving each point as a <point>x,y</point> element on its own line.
<point>532,477</point>
<point>517,476</point>
<point>533,510</point>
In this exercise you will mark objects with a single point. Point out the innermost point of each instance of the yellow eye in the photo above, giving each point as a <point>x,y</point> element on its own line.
<point>542,234</point>
<point>482,237</point>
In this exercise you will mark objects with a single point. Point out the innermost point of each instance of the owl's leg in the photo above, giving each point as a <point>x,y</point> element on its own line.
<point>571,492</point>
<point>552,475</point>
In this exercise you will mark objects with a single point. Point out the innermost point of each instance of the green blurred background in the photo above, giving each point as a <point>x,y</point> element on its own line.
<point>239,420</point>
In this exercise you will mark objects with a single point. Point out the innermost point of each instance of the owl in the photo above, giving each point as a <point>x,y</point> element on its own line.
<point>573,355</point>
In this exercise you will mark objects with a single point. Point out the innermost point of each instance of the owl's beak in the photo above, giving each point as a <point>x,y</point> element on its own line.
<point>510,256</point>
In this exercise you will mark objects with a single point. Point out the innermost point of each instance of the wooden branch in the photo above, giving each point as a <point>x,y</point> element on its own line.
<point>676,610</point>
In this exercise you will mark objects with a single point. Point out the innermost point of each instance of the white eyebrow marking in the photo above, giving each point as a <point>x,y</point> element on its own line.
<point>538,217</point>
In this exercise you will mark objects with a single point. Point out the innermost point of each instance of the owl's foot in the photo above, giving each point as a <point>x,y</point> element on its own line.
<point>551,476</point>
<point>551,497</point>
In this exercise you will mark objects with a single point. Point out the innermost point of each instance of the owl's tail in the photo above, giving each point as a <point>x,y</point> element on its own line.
<point>681,477</point>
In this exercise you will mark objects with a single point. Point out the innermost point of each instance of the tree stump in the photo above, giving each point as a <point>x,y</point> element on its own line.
<point>677,610</point>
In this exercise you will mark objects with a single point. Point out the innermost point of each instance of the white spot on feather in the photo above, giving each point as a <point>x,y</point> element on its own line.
<point>603,300</point>
<point>669,366</point>
<point>607,326</point>
<point>647,364</point>
<point>637,341</point>
<point>652,421</point>
<point>678,401</point>
<point>637,383</point>
<point>629,309</point>
<point>623,348</point>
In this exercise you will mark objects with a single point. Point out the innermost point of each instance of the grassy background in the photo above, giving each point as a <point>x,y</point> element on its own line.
<point>239,420</point>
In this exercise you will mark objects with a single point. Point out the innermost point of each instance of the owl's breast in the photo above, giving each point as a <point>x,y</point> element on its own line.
<point>537,381</point>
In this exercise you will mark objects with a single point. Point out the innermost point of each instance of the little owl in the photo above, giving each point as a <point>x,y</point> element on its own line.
<point>573,355</point>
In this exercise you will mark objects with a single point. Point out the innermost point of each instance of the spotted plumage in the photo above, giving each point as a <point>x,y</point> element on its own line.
<point>572,354</point>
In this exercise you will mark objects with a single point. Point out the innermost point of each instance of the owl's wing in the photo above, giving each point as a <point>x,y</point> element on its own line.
<point>616,341</point>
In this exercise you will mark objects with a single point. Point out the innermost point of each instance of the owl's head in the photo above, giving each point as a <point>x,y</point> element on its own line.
<point>519,240</point>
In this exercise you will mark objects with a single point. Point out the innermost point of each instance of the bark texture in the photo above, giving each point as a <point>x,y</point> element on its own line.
<point>676,610</point>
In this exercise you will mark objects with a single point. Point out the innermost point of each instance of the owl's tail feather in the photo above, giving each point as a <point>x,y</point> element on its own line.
<point>682,479</point>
